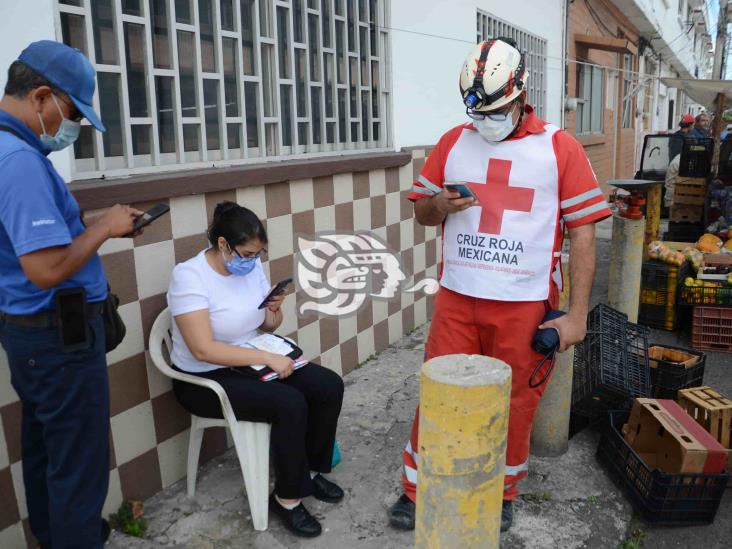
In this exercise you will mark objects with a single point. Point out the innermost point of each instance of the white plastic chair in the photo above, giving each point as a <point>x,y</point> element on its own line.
<point>251,439</point>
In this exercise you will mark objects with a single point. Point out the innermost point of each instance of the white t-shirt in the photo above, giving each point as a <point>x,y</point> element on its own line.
<point>231,301</point>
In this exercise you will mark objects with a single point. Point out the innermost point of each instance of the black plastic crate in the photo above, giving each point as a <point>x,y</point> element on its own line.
<point>668,377</point>
<point>611,364</point>
<point>657,316</point>
<point>669,499</point>
<point>683,232</point>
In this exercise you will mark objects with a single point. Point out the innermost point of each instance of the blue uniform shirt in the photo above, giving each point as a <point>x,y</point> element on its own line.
<point>37,211</point>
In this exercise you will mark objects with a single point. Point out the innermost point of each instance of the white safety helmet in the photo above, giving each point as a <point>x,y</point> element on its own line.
<point>493,75</point>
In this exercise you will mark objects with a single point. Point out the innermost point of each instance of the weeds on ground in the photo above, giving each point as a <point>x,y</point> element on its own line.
<point>593,499</point>
<point>634,541</point>
<point>537,498</point>
<point>129,519</point>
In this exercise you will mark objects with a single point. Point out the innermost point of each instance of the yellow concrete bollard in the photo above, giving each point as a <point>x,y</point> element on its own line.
<point>626,262</point>
<point>462,451</point>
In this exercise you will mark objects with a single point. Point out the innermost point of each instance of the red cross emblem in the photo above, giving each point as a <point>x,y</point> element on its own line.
<point>495,196</point>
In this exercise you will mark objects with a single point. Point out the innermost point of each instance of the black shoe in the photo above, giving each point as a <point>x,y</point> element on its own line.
<point>298,520</point>
<point>401,514</point>
<point>106,530</point>
<point>506,515</point>
<point>325,490</point>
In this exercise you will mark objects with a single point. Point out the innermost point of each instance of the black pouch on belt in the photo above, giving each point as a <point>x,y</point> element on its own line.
<point>114,327</point>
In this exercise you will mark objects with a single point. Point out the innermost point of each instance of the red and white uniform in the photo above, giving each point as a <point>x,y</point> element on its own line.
<point>501,268</point>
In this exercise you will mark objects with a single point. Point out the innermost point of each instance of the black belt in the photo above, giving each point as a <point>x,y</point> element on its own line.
<point>47,319</point>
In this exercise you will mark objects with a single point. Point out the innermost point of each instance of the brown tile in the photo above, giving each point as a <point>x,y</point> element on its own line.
<point>281,268</point>
<point>12,417</point>
<point>361,188</point>
<point>393,236</point>
<point>120,270</point>
<point>215,198</point>
<point>9,513</point>
<point>430,252</point>
<point>150,308</point>
<point>406,207</point>
<point>418,233</point>
<point>381,335</point>
<point>157,231</point>
<point>170,417</point>
<point>323,193</point>
<point>328,333</point>
<point>365,317</point>
<point>344,216</point>
<point>430,306</point>
<point>188,246</point>
<point>303,223</point>
<point>378,211</point>
<point>127,384</point>
<point>349,355</point>
<point>112,457</point>
<point>30,540</point>
<point>408,318</point>
<point>392,180</point>
<point>417,164</point>
<point>407,257</point>
<point>394,304</point>
<point>140,477</point>
<point>214,444</point>
<point>277,199</point>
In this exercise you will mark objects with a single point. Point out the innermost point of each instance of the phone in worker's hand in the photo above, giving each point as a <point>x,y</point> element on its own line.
<point>462,188</point>
<point>279,288</point>
<point>148,217</point>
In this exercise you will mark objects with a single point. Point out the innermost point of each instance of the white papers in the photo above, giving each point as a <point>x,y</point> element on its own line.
<point>269,343</point>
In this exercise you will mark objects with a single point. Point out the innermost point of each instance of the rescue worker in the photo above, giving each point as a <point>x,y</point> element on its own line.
<point>501,269</point>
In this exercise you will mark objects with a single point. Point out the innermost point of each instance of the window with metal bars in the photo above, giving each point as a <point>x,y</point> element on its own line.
<point>217,82</point>
<point>531,45</point>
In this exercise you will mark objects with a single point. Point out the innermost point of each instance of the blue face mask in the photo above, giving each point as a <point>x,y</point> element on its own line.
<point>240,266</point>
<point>67,134</point>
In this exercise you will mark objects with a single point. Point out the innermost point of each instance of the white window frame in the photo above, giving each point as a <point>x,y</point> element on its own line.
<point>534,48</point>
<point>270,146</point>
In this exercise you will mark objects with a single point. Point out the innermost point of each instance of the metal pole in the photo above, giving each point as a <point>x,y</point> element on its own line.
<point>462,452</point>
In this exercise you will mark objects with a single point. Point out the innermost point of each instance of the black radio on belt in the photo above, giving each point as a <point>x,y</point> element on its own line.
<point>546,342</point>
<point>71,320</point>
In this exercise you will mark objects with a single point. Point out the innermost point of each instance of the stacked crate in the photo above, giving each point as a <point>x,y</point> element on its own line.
<point>687,210</point>
<point>659,283</point>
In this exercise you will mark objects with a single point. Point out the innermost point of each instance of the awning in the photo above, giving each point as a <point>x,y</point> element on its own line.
<point>606,43</point>
<point>703,92</point>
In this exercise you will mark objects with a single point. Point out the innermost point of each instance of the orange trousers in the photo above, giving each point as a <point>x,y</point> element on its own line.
<point>467,325</point>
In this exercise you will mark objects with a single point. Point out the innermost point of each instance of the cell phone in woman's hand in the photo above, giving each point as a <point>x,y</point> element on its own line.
<point>279,289</point>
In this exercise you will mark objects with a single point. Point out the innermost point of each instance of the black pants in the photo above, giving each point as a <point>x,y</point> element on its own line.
<point>303,410</point>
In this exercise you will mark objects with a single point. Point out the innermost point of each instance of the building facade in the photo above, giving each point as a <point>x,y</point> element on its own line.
<point>316,114</point>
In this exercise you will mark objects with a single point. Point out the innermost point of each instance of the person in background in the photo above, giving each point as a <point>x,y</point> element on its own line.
<point>701,126</point>
<point>676,142</point>
<point>727,132</point>
<point>214,299</point>
<point>45,248</point>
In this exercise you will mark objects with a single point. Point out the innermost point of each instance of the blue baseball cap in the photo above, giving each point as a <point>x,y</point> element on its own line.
<point>68,70</point>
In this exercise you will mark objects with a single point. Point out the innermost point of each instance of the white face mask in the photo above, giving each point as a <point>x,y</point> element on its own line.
<point>493,130</point>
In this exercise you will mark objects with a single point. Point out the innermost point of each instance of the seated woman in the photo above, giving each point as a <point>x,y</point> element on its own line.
<point>214,299</point>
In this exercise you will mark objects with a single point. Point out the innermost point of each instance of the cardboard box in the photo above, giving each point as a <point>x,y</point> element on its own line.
<point>667,438</point>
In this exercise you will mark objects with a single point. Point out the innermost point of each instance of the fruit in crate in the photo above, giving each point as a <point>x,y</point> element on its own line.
<point>709,243</point>
<point>688,281</point>
<point>659,251</point>
<point>727,246</point>
<point>694,256</point>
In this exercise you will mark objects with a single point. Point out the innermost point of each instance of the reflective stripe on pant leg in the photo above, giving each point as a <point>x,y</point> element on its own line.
<point>410,461</point>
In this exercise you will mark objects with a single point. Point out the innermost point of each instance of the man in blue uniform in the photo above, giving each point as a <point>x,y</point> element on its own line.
<point>44,248</point>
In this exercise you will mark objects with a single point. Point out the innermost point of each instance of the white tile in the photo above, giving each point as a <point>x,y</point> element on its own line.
<point>113,245</point>
<point>418,153</point>
<point>347,327</point>
<point>380,232</point>
<point>158,382</point>
<point>366,346</point>
<point>16,472</point>
<point>432,272</point>
<point>325,219</point>
<point>343,188</point>
<point>301,195</point>
<point>430,232</point>
<point>253,199</point>
<point>188,215</point>
<point>308,339</point>
<point>396,331</point>
<point>265,268</point>
<point>279,233</point>
<point>381,310</point>
<point>173,454</point>
<point>407,297</point>
<point>331,359</point>
<point>362,214</point>
<point>393,208</point>
<point>289,316</point>
<point>4,458</point>
<point>13,537</point>
<point>133,342</point>
<point>377,182</point>
<point>133,432</point>
<point>406,177</point>
<point>7,393</point>
<point>153,265</point>
<point>406,234</point>
<point>419,258</point>
<point>420,311</point>
<point>114,494</point>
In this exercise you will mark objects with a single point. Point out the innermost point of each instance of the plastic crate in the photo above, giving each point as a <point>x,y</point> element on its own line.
<point>683,232</point>
<point>669,499</point>
<point>709,296</point>
<point>611,364</point>
<point>667,378</point>
<point>686,213</point>
<point>659,282</point>
<point>661,317</point>
<point>712,329</point>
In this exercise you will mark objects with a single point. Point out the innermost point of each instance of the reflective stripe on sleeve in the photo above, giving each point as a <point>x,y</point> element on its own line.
<point>580,198</point>
<point>585,211</point>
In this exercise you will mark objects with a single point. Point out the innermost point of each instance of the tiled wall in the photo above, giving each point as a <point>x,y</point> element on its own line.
<point>149,428</point>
